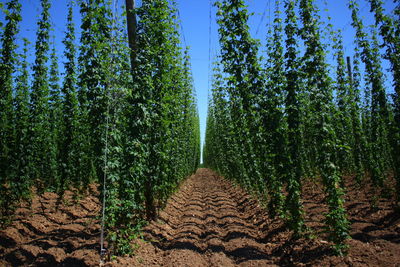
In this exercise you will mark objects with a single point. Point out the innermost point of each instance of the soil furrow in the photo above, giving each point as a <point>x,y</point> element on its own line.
<point>208,222</point>
<point>206,225</point>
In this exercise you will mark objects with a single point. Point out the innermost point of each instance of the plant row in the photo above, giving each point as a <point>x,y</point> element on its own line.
<point>131,127</point>
<point>296,115</point>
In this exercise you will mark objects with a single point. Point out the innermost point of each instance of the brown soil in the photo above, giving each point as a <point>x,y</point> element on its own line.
<point>53,232</point>
<point>208,222</point>
<point>211,222</point>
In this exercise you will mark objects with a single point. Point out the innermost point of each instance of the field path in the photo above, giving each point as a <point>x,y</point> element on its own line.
<point>209,222</point>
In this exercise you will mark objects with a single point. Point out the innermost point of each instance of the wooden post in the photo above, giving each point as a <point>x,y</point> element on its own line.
<point>349,71</point>
<point>131,25</point>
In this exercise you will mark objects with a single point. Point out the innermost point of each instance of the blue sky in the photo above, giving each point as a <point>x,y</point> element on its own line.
<point>196,24</point>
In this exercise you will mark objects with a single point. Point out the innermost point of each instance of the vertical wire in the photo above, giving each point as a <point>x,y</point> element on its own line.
<point>102,249</point>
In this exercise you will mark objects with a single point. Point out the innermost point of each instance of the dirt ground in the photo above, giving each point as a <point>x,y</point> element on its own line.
<point>208,222</point>
<point>53,232</point>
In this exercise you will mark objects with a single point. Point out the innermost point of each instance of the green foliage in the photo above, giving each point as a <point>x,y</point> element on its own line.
<point>219,149</point>
<point>273,119</point>
<point>319,85</point>
<point>293,109</point>
<point>40,141</point>
<point>21,106</point>
<point>154,139</point>
<point>93,95</point>
<point>239,58</point>
<point>377,113</point>
<point>7,67</point>
<point>358,148</point>
<point>55,115</point>
<point>72,157</point>
<point>268,131</point>
<point>389,29</point>
<point>345,138</point>
<point>134,131</point>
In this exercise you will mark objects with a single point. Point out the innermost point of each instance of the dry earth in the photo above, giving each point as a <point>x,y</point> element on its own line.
<point>208,222</point>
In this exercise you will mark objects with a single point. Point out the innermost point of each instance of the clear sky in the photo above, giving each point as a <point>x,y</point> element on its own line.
<point>196,24</point>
